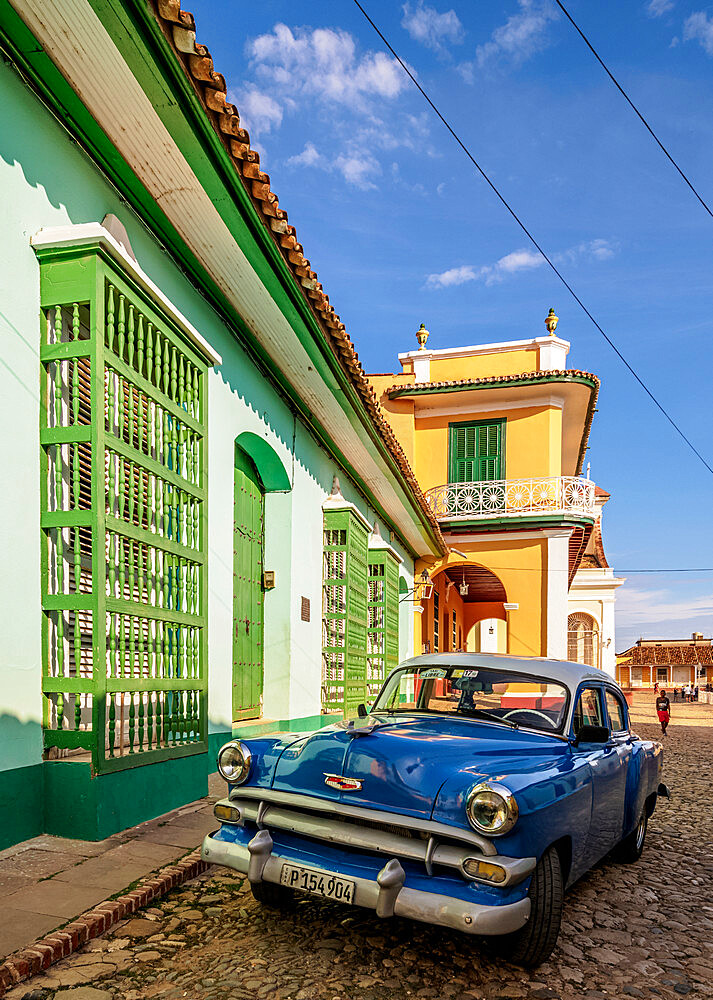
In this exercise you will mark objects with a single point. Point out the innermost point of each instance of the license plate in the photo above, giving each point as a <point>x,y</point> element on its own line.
<point>330,886</point>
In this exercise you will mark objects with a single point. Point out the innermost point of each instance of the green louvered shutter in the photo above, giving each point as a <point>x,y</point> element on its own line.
<point>355,687</point>
<point>476,452</point>
<point>383,619</point>
<point>344,612</point>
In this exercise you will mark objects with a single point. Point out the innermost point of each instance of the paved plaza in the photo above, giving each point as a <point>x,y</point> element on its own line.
<point>641,931</point>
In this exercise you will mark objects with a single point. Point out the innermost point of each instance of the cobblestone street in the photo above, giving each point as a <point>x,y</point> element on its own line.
<point>642,931</point>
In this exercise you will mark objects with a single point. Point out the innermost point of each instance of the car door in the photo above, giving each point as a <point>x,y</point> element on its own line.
<point>629,755</point>
<point>608,774</point>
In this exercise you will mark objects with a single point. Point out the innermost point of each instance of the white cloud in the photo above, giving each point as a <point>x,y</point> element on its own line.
<point>357,169</point>
<point>651,607</point>
<point>309,157</point>
<point>699,28</point>
<point>324,63</point>
<point>453,276</point>
<point>259,111</point>
<point>524,259</point>
<point>424,24</point>
<point>520,37</point>
<point>657,8</point>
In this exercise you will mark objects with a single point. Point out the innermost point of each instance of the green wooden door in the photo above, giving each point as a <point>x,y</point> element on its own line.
<point>476,452</point>
<point>249,533</point>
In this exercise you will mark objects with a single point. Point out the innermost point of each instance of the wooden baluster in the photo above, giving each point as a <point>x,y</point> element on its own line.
<point>132,494</point>
<point>132,577</point>
<point>111,401</point>
<point>196,541</point>
<point>77,646</point>
<point>166,510</point>
<point>196,652</point>
<point>113,665</point>
<point>121,405</point>
<point>157,362</point>
<point>179,516</point>
<point>141,412</point>
<point>142,486</point>
<point>131,414</point>
<point>140,346</point>
<point>122,485</point>
<point>166,440</point>
<point>132,647</point>
<point>112,723</point>
<point>158,645</point>
<point>141,721</point>
<point>174,375</point>
<point>166,649</point>
<point>165,719</point>
<point>60,643</point>
<point>77,709</point>
<point>58,324</point>
<point>149,351</point>
<point>158,493</point>
<point>60,710</point>
<point>189,388</point>
<point>110,329</point>
<point>121,666</point>
<point>121,326</point>
<point>132,721</point>
<point>175,716</point>
<point>166,353</point>
<point>111,571</point>
<point>131,335</point>
<point>196,395</point>
<point>111,481</point>
<point>189,717</point>
<point>77,561</point>
<point>122,569</point>
<point>149,720</point>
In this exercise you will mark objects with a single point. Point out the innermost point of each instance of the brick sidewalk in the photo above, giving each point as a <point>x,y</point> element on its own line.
<point>48,881</point>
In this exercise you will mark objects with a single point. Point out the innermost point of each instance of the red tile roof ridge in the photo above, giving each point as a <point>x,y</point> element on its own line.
<point>491,379</point>
<point>179,27</point>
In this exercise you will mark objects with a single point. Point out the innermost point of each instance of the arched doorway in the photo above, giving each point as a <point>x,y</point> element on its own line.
<point>257,470</point>
<point>466,611</point>
<point>583,639</point>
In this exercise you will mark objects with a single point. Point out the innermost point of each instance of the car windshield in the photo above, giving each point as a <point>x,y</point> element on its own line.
<point>501,695</point>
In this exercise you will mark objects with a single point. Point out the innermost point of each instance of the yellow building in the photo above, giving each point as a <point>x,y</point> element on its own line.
<point>497,435</point>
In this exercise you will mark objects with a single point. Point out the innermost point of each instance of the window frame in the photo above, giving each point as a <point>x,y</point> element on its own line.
<point>622,702</point>
<point>454,426</point>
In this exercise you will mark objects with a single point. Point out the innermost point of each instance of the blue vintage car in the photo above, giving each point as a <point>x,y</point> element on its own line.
<point>475,791</point>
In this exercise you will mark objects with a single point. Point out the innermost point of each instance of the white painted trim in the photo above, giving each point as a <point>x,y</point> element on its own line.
<point>493,407</point>
<point>557,585</point>
<point>341,504</point>
<point>381,543</point>
<point>93,234</point>
<point>481,537</point>
<point>475,349</point>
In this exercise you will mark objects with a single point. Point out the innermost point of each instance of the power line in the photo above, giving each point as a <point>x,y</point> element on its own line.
<point>632,105</point>
<point>532,239</point>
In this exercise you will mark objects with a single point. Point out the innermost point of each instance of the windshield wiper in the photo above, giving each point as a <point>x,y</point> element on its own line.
<point>483,714</point>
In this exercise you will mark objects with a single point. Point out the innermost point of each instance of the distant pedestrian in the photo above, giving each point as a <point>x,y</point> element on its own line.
<point>663,708</point>
<point>695,693</point>
<point>656,687</point>
<point>675,694</point>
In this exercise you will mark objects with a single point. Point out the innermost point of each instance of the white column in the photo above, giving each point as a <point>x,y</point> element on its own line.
<point>557,588</point>
<point>607,637</point>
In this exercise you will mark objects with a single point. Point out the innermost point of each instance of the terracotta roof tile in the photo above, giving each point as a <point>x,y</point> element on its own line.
<point>179,28</point>
<point>490,380</point>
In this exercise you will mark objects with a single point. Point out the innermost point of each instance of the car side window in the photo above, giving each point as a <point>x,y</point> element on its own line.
<point>588,710</point>
<point>617,715</point>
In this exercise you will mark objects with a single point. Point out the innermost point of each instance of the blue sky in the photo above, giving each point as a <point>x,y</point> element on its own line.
<point>401,230</point>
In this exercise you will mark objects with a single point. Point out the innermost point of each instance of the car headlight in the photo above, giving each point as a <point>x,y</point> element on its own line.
<point>491,808</point>
<point>234,760</point>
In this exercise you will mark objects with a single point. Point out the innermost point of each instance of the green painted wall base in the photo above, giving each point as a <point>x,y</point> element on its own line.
<point>92,808</point>
<point>62,798</point>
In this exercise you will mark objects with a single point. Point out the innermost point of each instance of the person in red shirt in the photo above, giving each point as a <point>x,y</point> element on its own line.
<point>663,709</point>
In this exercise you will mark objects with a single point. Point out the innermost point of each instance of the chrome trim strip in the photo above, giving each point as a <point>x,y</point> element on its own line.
<point>334,831</point>
<point>312,802</point>
<point>429,907</point>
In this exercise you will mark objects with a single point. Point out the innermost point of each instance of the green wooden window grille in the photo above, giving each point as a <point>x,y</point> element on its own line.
<point>344,612</point>
<point>382,640</point>
<point>436,620</point>
<point>123,490</point>
<point>476,452</point>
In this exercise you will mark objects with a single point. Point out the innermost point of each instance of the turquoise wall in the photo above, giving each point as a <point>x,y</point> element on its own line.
<point>45,181</point>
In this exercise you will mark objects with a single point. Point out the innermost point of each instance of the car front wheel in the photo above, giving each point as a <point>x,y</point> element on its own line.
<point>277,897</point>
<point>629,850</point>
<point>535,942</point>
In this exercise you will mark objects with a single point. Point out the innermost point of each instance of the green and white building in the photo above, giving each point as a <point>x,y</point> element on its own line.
<point>207,524</point>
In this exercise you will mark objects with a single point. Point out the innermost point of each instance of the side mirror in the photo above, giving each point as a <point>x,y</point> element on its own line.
<point>361,711</point>
<point>592,734</point>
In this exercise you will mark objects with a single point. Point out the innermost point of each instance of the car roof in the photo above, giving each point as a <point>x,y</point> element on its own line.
<point>564,671</point>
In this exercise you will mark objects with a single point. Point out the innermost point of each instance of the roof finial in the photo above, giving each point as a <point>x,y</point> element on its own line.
<point>422,336</point>
<point>551,322</point>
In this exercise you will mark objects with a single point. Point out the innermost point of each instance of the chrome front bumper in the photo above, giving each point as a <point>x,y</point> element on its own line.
<point>386,894</point>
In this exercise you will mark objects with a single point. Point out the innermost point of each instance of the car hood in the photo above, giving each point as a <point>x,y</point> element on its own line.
<point>405,761</point>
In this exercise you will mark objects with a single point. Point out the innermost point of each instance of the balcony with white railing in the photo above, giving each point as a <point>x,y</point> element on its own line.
<point>511,498</point>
